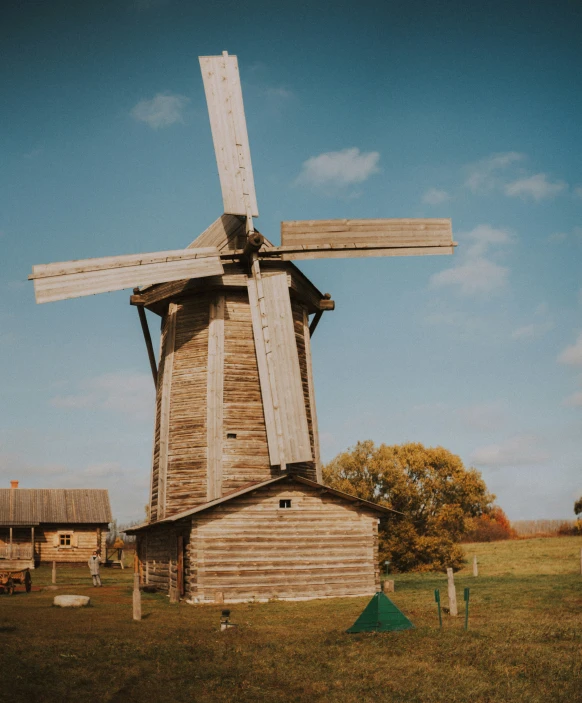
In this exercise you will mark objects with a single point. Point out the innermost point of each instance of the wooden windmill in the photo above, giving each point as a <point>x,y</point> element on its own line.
<point>235,401</point>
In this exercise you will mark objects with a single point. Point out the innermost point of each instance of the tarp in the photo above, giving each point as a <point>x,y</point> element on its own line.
<point>381,615</point>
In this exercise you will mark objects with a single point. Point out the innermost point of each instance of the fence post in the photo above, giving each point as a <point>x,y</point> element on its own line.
<point>54,579</point>
<point>452,593</point>
<point>388,586</point>
<point>475,566</point>
<point>581,560</point>
<point>136,598</point>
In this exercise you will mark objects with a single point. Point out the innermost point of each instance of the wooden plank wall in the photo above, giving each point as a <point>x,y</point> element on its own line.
<point>246,457</point>
<point>249,548</point>
<point>215,397</point>
<point>165,407</point>
<point>158,558</point>
<point>188,433</point>
<point>86,538</point>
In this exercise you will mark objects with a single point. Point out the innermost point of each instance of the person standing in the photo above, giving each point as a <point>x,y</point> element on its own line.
<point>94,561</point>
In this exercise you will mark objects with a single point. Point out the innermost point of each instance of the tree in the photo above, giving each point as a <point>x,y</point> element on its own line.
<point>489,527</point>
<point>578,507</point>
<point>432,489</point>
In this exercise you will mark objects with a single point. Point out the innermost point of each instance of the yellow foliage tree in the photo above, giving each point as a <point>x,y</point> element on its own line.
<point>429,485</point>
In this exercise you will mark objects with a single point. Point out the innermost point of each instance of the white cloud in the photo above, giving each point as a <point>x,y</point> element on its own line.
<point>483,175</point>
<point>521,450</point>
<point>574,400</point>
<point>535,329</point>
<point>537,187</point>
<point>572,355</point>
<point>433,196</point>
<point>162,110</point>
<point>339,168</point>
<point>131,394</point>
<point>476,274</point>
<point>484,417</point>
<point>575,234</point>
<point>578,191</point>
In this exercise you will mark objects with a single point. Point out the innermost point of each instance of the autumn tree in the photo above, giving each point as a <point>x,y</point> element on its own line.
<point>578,507</point>
<point>429,486</point>
<point>489,527</point>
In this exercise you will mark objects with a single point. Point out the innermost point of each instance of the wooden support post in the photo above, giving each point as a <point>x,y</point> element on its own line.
<point>54,579</point>
<point>475,566</point>
<point>452,593</point>
<point>388,586</point>
<point>11,543</point>
<point>32,544</point>
<point>148,340</point>
<point>325,304</point>
<point>136,598</point>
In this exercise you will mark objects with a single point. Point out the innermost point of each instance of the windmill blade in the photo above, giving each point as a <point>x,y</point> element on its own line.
<point>322,239</point>
<point>229,134</point>
<point>74,279</point>
<point>279,370</point>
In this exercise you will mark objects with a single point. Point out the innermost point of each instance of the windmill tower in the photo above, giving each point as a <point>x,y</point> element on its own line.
<point>235,403</point>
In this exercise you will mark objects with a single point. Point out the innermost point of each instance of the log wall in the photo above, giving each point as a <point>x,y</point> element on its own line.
<point>86,538</point>
<point>250,548</point>
<point>157,553</point>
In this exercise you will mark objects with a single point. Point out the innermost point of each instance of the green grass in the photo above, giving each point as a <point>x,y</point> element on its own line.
<point>524,641</point>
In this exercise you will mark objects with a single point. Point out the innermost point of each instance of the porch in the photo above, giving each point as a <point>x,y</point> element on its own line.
<point>17,547</point>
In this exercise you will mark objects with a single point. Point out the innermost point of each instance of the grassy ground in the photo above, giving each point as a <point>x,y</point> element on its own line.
<point>524,641</point>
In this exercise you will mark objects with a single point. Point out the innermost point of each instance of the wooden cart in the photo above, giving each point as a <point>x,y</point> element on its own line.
<point>9,580</point>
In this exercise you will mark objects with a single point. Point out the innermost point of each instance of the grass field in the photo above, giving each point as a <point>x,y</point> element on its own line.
<point>524,641</point>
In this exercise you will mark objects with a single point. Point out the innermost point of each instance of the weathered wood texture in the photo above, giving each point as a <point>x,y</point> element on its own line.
<point>357,238</point>
<point>229,133</point>
<point>157,553</point>
<point>215,397</point>
<point>74,279</point>
<point>250,548</point>
<point>284,377</point>
<point>208,450</point>
<point>84,539</point>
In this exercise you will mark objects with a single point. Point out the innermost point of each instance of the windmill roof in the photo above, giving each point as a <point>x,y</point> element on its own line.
<point>32,506</point>
<point>256,486</point>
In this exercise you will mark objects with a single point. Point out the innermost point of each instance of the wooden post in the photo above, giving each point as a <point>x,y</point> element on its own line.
<point>475,566</point>
<point>581,560</point>
<point>32,544</point>
<point>11,543</point>
<point>388,586</point>
<point>136,598</point>
<point>54,572</point>
<point>452,593</point>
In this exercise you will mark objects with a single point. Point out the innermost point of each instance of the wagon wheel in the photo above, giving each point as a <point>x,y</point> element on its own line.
<point>10,587</point>
<point>27,581</point>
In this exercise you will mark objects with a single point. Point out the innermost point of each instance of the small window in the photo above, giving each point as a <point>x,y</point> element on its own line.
<point>285,503</point>
<point>65,539</point>
<point>231,435</point>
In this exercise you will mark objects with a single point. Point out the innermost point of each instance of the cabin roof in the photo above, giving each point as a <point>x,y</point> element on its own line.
<point>256,486</point>
<point>32,506</point>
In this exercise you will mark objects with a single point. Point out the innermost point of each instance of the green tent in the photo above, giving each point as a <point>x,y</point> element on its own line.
<point>381,615</point>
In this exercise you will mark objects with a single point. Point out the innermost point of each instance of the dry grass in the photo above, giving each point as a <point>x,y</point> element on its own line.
<point>540,528</point>
<point>524,641</point>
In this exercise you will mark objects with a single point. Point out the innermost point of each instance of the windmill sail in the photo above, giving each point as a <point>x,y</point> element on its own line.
<point>229,133</point>
<point>321,239</point>
<point>279,372</point>
<point>74,279</point>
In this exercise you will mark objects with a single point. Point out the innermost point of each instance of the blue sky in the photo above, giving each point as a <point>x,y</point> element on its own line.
<point>367,109</point>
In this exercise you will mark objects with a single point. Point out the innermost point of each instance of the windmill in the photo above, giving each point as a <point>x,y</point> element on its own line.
<point>234,389</point>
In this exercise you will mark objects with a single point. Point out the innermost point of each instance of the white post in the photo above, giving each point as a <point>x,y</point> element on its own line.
<point>475,566</point>
<point>54,572</point>
<point>452,593</point>
<point>136,598</point>
<point>388,586</point>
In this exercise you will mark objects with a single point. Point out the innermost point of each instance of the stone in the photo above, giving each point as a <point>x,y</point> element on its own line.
<point>71,601</point>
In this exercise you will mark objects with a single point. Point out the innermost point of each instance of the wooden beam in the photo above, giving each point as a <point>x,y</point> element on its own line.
<point>148,341</point>
<point>324,304</point>
<point>315,322</point>
<point>215,397</point>
<point>383,231</point>
<point>74,279</point>
<point>311,391</point>
<point>229,133</point>
<point>168,365</point>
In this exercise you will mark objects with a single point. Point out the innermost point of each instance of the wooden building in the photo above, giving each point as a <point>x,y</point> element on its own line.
<point>40,525</point>
<point>288,538</point>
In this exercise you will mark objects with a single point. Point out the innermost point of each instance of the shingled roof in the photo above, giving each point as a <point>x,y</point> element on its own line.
<point>32,506</point>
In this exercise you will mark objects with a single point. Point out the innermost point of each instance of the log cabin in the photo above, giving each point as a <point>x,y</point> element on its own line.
<point>39,525</point>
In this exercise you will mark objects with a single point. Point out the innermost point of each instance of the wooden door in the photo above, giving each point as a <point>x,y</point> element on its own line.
<point>180,566</point>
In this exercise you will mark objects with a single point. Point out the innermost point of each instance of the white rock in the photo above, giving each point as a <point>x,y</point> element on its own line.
<point>71,601</point>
